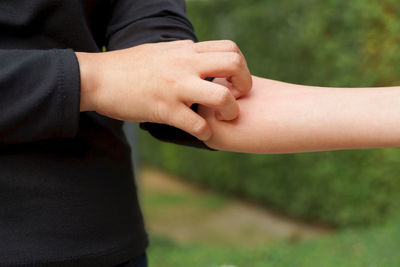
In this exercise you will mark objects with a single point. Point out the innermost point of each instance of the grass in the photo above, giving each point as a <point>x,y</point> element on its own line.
<point>179,216</point>
<point>377,246</point>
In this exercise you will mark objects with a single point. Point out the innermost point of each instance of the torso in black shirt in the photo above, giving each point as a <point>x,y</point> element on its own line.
<point>67,196</point>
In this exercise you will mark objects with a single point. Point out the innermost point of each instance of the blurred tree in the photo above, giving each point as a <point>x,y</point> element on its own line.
<point>329,43</point>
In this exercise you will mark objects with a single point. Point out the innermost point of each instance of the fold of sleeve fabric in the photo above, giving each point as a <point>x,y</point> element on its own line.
<point>137,22</point>
<point>39,95</point>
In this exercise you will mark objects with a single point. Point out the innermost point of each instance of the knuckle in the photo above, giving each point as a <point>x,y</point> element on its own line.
<point>185,56</point>
<point>236,61</point>
<point>170,82</point>
<point>186,45</point>
<point>232,46</point>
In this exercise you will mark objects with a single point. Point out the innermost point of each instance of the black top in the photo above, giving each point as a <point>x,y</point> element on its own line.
<point>67,196</point>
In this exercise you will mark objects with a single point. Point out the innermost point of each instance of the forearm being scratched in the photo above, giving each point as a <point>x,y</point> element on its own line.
<point>277,117</point>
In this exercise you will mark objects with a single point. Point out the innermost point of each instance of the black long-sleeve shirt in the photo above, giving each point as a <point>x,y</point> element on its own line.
<point>67,196</point>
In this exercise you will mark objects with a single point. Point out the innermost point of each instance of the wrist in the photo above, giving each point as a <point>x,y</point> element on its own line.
<point>89,80</point>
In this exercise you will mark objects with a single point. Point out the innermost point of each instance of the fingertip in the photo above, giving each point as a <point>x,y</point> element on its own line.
<point>206,134</point>
<point>236,93</point>
<point>218,116</point>
<point>250,83</point>
<point>226,117</point>
<point>201,129</point>
<point>241,87</point>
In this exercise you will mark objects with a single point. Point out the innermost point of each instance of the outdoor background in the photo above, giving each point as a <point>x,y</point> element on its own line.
<point>340,208</point>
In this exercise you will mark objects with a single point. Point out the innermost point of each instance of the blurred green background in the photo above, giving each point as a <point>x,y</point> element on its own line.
<point>356,193</point>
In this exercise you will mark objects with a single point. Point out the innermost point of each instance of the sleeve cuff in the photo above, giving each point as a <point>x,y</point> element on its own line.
<point>68,92</point>
<point>174,135</point>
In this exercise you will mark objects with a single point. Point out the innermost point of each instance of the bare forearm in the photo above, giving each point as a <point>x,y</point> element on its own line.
<point>285,118</point>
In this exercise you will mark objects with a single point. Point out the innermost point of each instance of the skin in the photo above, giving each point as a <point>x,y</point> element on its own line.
<point>279,117</point>
<point>159,82</point>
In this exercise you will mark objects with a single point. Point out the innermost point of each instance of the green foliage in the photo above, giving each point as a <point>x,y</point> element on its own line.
<point>329,43</point>
<point>341,188</point>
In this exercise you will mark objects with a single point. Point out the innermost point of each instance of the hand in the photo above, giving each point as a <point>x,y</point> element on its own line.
<point>159,82</point>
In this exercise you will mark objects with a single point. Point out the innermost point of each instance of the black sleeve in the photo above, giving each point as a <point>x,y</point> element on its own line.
<point>135,22</point>
<point>39,95</point>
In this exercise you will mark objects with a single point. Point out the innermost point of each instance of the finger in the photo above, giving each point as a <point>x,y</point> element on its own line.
<point>227,84</point>
<point>218,46</point>
<point>189,121</point>
<point>214,96</point>
<point>226,65</point>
